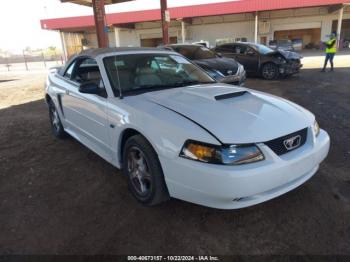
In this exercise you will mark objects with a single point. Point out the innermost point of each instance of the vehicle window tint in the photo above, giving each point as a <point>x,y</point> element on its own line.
<point>262,49</point>
<point>240,49</point>
<point>249,51</point>
<point>225,48</point>
<point>69,71</point>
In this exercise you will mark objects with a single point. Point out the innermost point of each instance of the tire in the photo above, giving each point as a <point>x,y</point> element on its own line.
<point>142,168</point>
<point>55,121</point>
<point>269,71</point>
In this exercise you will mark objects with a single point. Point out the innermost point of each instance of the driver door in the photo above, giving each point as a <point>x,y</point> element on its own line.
<point>248,57</point>
<point>86,114</point>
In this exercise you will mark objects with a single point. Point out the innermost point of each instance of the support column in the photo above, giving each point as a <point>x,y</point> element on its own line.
<point>340,20</point>
<point>183,31</point>
<point>165,21</point>
<point>100,22</point>
<point>117,36</point>
<point>64,47</point>
<point>256,28</point>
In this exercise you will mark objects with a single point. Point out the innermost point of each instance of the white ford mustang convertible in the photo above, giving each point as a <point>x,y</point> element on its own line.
<point>175,132</point>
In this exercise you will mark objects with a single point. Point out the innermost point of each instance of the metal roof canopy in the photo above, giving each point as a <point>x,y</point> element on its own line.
<point>89,2</point>
<point>100,17</point>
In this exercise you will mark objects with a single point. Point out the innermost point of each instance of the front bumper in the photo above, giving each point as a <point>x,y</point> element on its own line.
<point>237,79</point>
<point>232,187</point>
<point>290,68</point>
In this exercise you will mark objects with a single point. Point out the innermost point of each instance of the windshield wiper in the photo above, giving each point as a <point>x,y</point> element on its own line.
<point>189,83</point>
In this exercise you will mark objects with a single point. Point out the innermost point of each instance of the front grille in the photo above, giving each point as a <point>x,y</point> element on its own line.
<point>277,145</point>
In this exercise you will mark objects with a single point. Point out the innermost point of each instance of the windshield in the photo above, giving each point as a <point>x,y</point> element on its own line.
<point>204,53</point>
<point>148,72</point>
<point>194,52</point>
<point>264,49</point>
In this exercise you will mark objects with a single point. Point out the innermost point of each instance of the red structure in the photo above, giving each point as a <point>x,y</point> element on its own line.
<point>99,18</point>
<point>100,22</point>
<point>234,7</point>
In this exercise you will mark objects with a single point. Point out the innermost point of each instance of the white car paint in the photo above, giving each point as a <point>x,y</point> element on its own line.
<point>170,117</point>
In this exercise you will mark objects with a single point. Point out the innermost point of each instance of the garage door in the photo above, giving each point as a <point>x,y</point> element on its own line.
<point>311,37</point>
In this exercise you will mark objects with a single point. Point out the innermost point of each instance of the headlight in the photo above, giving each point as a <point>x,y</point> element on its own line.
<point>216,74</point>
<point>282,60</point>
<point>316,128</point>
<point>239,70</point>
<point>224,155</point>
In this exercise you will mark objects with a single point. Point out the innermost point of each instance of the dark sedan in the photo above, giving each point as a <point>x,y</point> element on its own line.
<point>261,60</point>
<point>222,69</point>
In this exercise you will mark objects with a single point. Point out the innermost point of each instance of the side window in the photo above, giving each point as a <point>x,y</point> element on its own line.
<point>154,65</point>
<point>225,48</point>
<point>87,71</point>
<point>69,71</point>
<point>240,49</point>
<point>249,51</point>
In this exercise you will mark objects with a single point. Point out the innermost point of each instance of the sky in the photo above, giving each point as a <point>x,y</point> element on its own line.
<point>20,19</point>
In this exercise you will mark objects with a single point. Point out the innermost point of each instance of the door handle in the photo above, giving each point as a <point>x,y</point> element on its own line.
<point>67,92</point>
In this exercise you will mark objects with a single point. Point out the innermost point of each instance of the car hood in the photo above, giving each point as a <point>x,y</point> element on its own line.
<point>240,115</point>
<point>287,54</point>
<point>220,63</point>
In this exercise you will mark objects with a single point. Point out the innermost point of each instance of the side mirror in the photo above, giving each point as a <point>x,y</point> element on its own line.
<point>89,88</point>
<point>251,53</point>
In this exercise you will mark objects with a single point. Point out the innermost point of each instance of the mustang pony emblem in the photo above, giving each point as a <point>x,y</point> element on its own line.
<point>292,142</point>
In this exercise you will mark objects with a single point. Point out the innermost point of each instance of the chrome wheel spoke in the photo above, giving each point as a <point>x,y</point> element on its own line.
<point>142,185</point>
<point>55,119</point>
<point>139,172</point>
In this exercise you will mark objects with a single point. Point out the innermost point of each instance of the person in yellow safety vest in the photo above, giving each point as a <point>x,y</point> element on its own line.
<point>331,49</point>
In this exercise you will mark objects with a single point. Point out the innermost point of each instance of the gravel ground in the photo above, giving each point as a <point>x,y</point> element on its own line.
<point>57,197</point>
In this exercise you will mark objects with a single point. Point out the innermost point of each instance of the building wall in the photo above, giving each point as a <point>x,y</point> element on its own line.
<point>132,37</point>
<point>238,26</point>
<point>92,38</point>
<point>218,27</point>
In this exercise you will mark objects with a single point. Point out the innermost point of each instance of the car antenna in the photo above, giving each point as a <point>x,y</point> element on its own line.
<point>120,89</point>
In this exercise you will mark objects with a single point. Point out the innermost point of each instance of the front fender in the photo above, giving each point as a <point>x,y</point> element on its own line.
<point>164,129</point>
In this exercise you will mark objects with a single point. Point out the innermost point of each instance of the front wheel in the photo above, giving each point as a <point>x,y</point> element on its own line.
<point>143,170</point>
<point>269,71</point>
<point>56,125</point>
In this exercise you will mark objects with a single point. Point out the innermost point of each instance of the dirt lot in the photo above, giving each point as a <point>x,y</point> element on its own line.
<point>57,197</point>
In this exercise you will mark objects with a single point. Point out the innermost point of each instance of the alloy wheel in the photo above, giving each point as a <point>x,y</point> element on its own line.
<point>269,71</point>
<point>138,170</point>
<point>55,119</point>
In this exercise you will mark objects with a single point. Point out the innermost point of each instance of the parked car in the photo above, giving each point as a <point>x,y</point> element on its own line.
<point>175,132</point>
<point>222,69</point>
<point>261,60</point>
<point>284,45</point>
